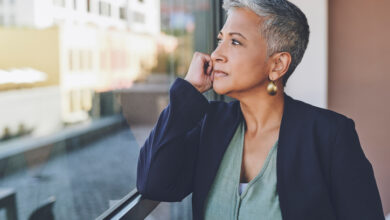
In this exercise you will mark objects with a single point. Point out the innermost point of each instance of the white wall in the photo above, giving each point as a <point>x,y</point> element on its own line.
<point>39,108</point>
<point>309,82</point>
<point>43,16</point>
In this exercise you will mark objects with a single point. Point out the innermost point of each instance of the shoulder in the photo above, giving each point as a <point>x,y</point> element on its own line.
<point>307,115</point>
<point>315,110</point>
<point>300,108</point>
<point>323,129</point>
<point>316,117</point>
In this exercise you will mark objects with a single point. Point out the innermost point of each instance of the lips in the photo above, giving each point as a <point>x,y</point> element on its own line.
<point>219,73</point>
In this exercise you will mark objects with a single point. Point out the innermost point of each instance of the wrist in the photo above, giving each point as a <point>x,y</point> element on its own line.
<point>196,87</point>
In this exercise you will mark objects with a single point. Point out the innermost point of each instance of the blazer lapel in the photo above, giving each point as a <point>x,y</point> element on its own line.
<point>287,150</point>
<point>217,134</point>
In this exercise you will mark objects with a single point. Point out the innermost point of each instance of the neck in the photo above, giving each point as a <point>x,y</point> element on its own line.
<point>262,112</point>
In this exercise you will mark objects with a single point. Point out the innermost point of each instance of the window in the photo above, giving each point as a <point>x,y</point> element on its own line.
<point>89,60</point>
<point>86,100</point>
<point>76,60</point>
<point>71,102</point>
<point>70,59</point>
<point>122,13</point>
<point>75,101</point>
<point>59,3</point>
<point>104,8</point>
<point>89,5</point>
<point>101,8</point>
<point>105,70</point>
<point>138,17</point>
<point>103,60</point>
<point>81,60</point>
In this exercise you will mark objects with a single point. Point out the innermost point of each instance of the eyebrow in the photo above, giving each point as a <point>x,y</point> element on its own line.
<point>234,33</point>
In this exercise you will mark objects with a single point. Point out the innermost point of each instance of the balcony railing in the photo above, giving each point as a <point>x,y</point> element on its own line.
<point>132,206</point>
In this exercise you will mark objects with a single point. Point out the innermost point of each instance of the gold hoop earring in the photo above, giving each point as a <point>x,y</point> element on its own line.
<point>272,88</point>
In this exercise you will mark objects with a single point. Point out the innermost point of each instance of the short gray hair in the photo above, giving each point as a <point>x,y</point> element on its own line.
<point>285,27</point>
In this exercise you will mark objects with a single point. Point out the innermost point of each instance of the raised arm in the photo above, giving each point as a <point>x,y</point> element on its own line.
<point>167,159</point>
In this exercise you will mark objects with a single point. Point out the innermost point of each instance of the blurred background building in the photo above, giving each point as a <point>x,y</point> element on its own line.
<point>81,48</point>
<point>82,83</point>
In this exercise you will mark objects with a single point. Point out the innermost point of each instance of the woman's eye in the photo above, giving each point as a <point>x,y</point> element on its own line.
<point>236,42</point>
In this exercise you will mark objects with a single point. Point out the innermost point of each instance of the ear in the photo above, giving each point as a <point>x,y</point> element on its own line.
<point>279,64</point>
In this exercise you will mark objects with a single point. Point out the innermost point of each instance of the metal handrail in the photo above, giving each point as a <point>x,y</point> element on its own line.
<point>133,206</point>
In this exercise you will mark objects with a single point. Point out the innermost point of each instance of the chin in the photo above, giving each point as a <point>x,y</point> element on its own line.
<point>220,89</point>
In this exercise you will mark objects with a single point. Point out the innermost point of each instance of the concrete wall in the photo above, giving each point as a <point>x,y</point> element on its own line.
<point>359,47</point>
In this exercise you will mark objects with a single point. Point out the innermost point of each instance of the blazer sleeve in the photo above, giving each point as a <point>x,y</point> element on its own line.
<point>354,189</point>
<point>167,159</point>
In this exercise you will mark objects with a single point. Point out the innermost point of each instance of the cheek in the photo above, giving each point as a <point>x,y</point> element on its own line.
<point>249,69</point>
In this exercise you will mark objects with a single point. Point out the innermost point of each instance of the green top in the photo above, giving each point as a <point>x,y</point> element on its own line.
<point>258,200</point>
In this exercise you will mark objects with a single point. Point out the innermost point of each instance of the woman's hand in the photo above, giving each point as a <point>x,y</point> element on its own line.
<point>200,72</point>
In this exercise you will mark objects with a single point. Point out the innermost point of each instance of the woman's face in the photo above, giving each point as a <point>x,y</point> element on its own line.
<point>241,53</point>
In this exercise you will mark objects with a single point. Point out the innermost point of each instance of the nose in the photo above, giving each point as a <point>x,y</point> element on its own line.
<point>217,56</point>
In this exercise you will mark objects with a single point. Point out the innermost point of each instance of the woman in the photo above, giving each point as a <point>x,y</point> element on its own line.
<point>266,155</point>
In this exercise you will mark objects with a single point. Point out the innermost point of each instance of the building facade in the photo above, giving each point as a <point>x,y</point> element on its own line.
<point>84,47</point>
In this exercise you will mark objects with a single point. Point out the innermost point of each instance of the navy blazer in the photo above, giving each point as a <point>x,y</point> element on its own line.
<point>322,171</point>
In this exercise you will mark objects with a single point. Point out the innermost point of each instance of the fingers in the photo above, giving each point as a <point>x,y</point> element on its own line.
<point>207,62</point>
<point>206,57</point>
<point>210,68</point>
